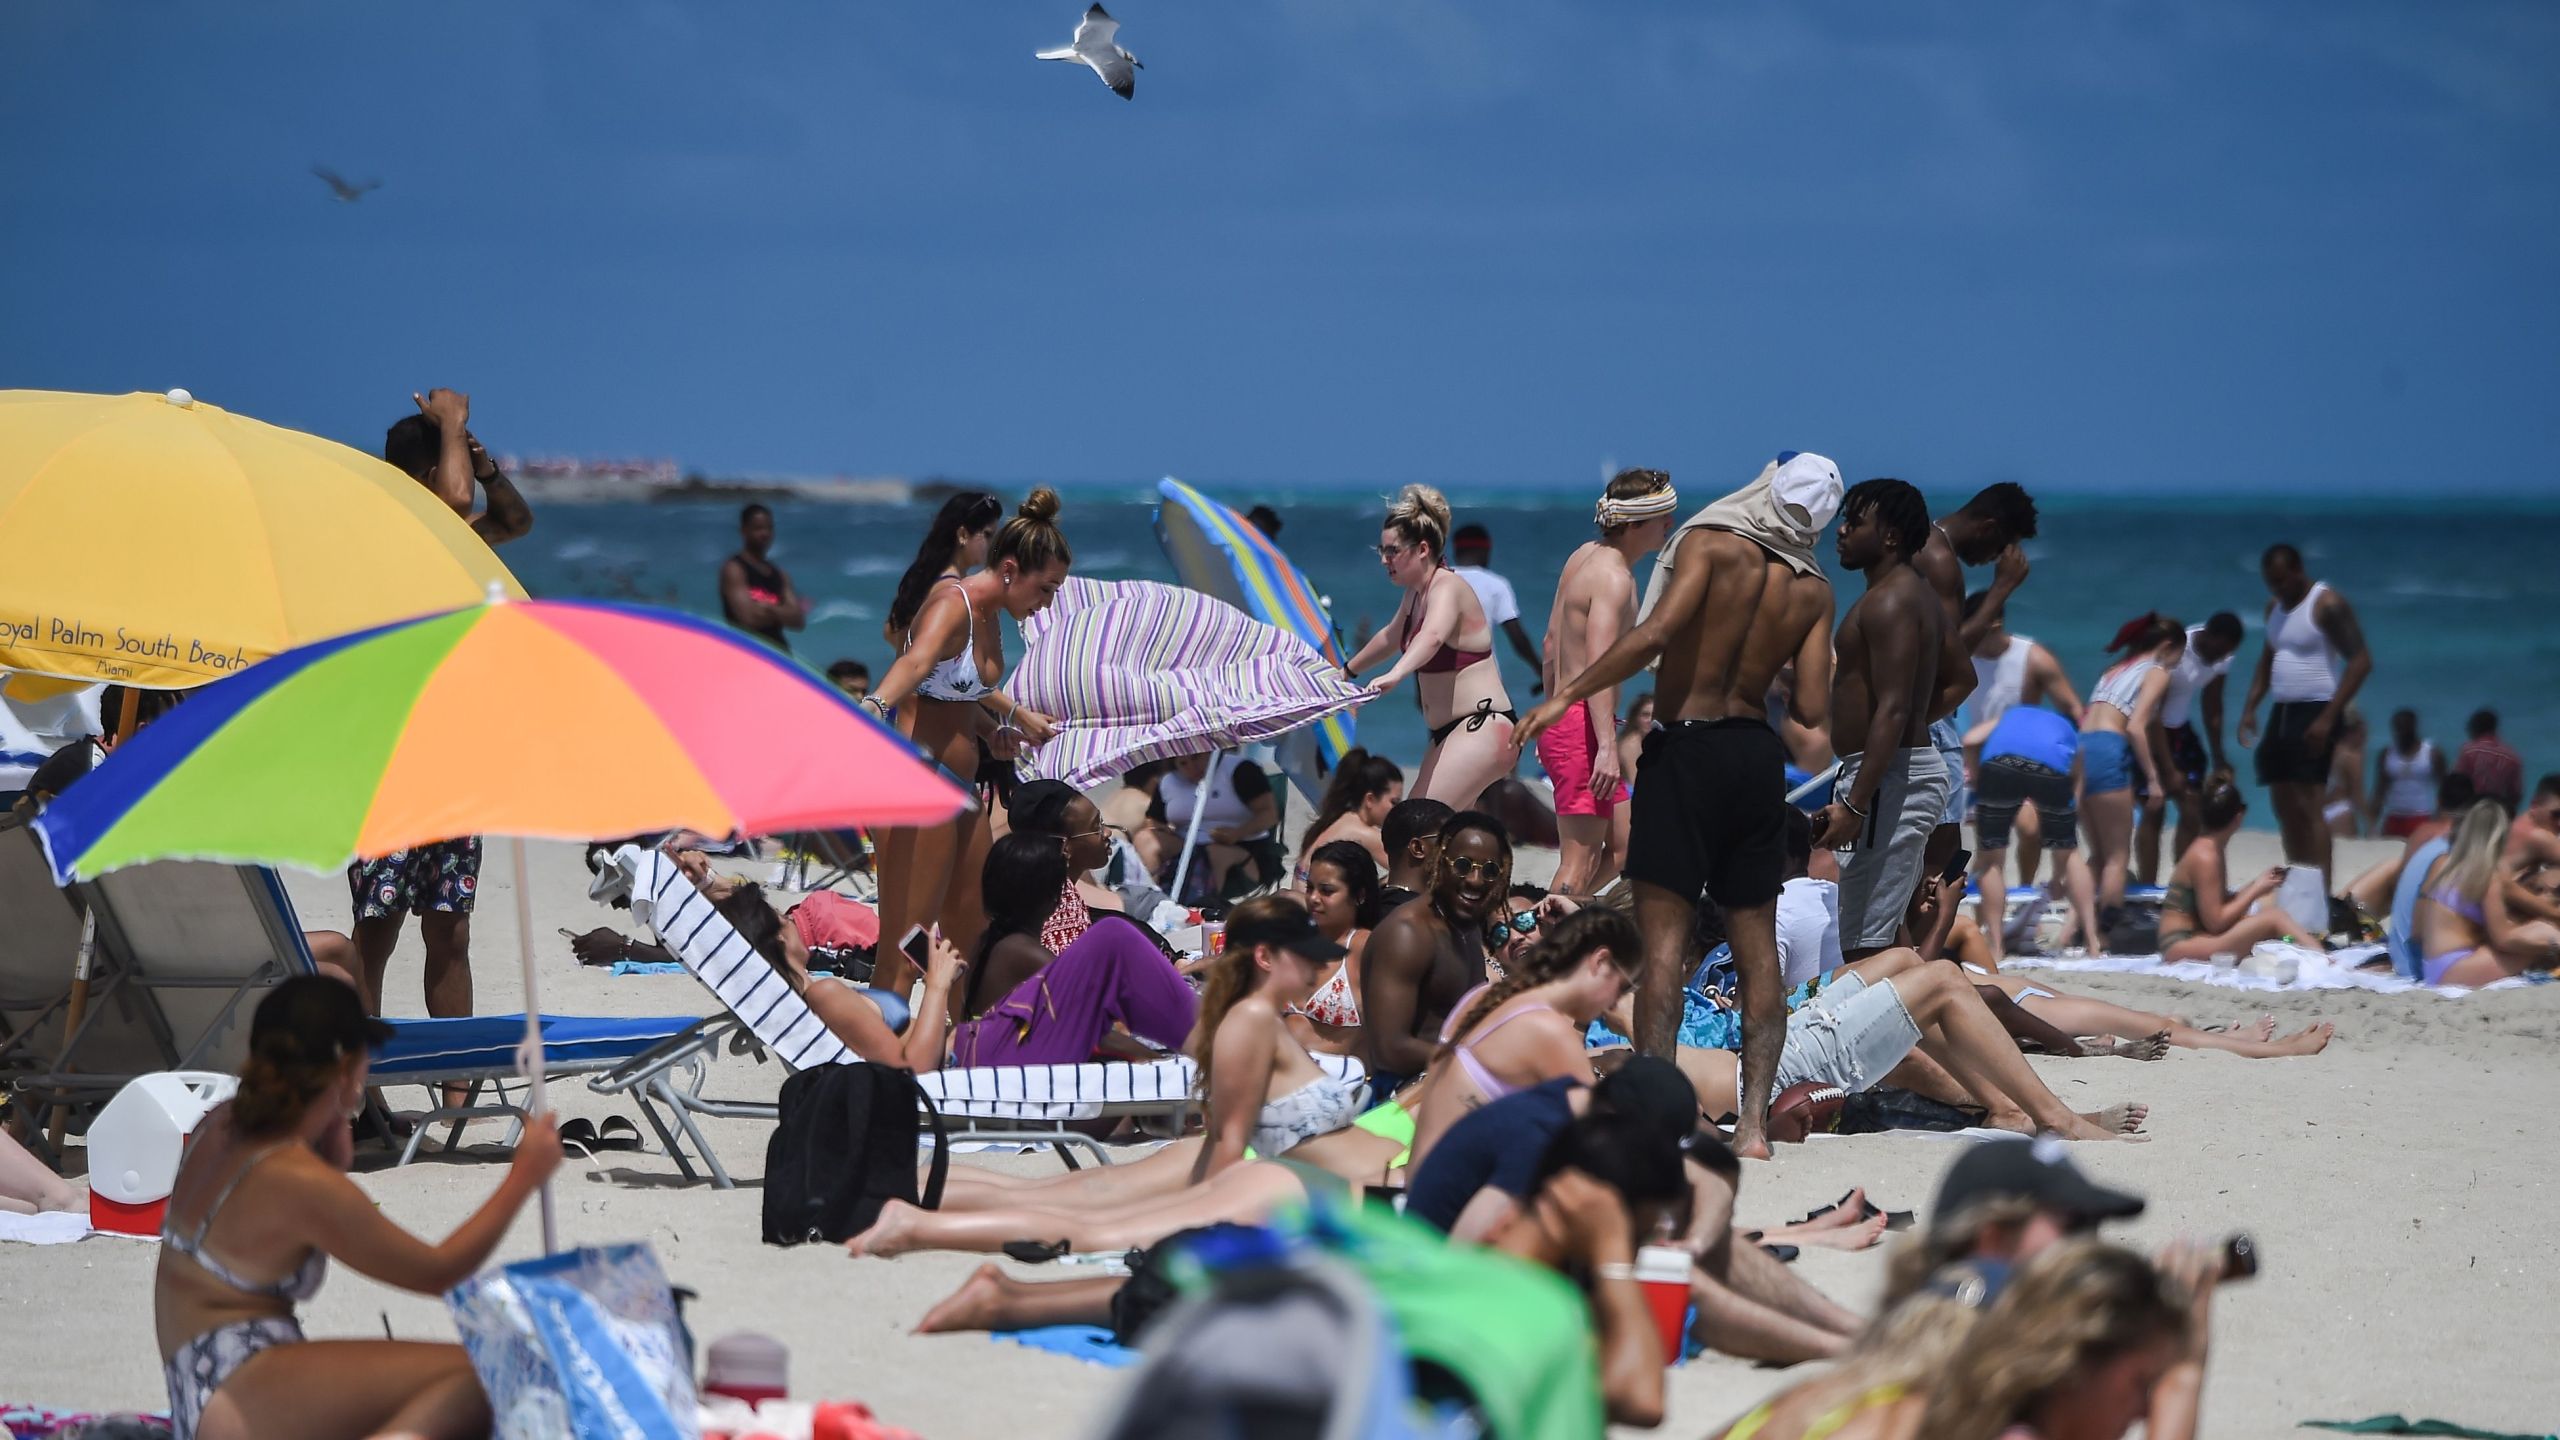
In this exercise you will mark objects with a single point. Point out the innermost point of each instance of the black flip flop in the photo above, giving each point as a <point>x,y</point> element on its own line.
<point>1036,1252</point>
<point>618,1132</point>
<point>1893,1219</point>
<point>1786,1254</point>
<point>580,1135</point>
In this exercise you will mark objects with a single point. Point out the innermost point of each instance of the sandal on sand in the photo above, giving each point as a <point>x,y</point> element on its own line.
<point>1786,1254</point>
<point>1893,1219</point>
<point>1036,1252</point>
<point>618,1132</point>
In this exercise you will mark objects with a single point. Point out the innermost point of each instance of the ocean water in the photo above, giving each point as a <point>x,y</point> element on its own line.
<point>2460,601</point>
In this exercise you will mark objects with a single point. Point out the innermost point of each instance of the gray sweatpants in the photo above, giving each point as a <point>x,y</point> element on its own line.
<point>1882,869</point>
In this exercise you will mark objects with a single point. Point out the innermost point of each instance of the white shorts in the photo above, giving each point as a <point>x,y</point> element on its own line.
<point>1849,1035</point>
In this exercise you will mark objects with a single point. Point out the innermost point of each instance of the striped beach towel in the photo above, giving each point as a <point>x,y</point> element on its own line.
<point>1137,671</point>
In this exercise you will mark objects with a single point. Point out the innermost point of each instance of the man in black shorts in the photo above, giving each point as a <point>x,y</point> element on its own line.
<point>2313,664</point>
<point>1742,597</point>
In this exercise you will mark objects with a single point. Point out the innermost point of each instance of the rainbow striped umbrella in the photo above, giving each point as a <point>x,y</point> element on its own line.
<point>555,719</point>
<point>560,719</point>
<point>1220,554</point>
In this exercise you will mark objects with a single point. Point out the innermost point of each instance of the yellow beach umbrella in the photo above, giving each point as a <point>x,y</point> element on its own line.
<point>159,542</point>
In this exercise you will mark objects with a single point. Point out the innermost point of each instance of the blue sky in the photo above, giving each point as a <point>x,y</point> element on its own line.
<point>2133,245</point>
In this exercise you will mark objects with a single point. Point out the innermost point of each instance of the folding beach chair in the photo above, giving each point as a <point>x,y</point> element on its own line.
<point>39,946</point>
<point>187,948</point>
<point>1001,1104</point>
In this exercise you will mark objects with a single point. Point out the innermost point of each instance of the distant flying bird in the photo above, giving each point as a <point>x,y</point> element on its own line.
<point>347,191</point>
<point>1093,46</point>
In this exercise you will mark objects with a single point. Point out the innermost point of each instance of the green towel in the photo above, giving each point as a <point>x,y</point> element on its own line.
<point>2401,1425</point>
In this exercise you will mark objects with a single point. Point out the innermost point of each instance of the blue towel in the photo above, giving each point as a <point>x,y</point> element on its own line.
<point>648,967</point>
<point>1091,1344</point>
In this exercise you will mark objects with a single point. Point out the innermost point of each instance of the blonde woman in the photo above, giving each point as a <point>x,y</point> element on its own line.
<point>1440,634</point>
<point>2086,1340</point>
<point>2464,928</point>
<point>944,684</point>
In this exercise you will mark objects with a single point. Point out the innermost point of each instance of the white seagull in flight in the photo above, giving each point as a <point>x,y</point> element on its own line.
<point>347,191</point>
<point>1093,46</point>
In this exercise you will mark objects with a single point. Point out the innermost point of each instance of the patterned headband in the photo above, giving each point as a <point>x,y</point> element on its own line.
<point>1642,507</point>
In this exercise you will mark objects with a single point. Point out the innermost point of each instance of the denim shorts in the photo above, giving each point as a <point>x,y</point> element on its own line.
<point>1850,1035</point>
<point>2004,784</point>
<point>2106,762</point>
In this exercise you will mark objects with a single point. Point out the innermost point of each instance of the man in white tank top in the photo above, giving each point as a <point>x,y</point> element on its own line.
<point>2313,664</point>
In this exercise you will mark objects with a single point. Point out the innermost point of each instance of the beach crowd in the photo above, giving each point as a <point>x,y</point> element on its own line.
<point>1757,928</point>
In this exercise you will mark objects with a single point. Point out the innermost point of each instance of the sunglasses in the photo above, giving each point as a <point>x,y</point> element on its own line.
<point>1389,552</point>
<point>1466,869</point>
<point>1498,933</point>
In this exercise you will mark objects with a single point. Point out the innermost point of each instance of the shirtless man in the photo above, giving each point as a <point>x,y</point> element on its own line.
<point>1425,957</point>
<point>2310,630</point>
<point>2533,841</point>
<point>1737,596</point>
<point>1595,603</point>
<point>1986,531</point>
<point>1893,783</point>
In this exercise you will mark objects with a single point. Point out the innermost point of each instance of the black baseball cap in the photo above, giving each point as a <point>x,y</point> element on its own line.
<point>2038,1170</point>
<point>1290,928</point>
<point>1652,1091</point>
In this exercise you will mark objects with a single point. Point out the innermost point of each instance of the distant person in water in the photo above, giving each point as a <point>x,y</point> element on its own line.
<point>2496,770</point>
<point>754,592</point>
<point>1595,604</point>
<point>1471,551</point>
<point>2313,664</point>
<point>850,676</point>
<point>1442,633</point>
<point>1264,519</point>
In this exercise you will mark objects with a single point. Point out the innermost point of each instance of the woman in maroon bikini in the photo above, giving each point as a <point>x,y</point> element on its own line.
<point>1441,631</point>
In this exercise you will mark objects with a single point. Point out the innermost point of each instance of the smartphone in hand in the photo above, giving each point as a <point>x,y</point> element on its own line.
<point>917,946</point>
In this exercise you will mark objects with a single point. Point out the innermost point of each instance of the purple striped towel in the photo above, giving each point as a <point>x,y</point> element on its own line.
<point>1134,671</point>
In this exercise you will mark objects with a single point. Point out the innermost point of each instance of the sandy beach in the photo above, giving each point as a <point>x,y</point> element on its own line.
<point>2396,1185</point>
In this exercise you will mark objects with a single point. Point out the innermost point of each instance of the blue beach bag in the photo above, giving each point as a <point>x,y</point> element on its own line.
<point>584,1343</point>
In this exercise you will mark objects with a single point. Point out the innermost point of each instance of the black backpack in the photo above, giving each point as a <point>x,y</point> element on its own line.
<point>844,1147</point>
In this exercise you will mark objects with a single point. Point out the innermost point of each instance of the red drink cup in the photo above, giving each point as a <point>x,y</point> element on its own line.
<point>1663,1273</point>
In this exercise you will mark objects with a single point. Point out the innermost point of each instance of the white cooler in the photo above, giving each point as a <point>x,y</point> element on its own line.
<point>135,1145</point>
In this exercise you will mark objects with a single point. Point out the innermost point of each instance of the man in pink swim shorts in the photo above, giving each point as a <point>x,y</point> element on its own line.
<point>1595,604</point>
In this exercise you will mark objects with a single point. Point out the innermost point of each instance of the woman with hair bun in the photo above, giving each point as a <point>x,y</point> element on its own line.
<point>944,688</point>
<point>262,1203</point>
<point>1443,636</point>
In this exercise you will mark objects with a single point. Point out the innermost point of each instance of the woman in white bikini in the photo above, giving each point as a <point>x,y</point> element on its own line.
<point>1263,1090</point>
<point>262,1204</point>
<point>943,689</point>
<point>1342,895</point>
<point>1440,633</point>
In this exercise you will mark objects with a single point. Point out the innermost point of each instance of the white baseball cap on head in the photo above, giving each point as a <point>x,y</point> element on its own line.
<point>1808,484</point>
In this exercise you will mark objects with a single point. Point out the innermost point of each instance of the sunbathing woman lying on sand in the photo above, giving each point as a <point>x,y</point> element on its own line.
<point>1263,1090</point>
<point>263,1202</point>
<point>2466,929</point>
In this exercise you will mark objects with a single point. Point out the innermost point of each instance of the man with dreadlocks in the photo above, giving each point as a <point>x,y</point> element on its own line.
<point>1427,955</point>
<point>1893,783</point>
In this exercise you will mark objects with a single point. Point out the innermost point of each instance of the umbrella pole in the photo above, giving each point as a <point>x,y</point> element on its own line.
<point>531,1054</point>
<point>128,718</point>
<point>79,1007</point>
<point>1191,839</point>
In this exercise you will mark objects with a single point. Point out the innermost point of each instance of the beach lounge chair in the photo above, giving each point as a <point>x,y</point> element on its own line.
<point>1002,1104</point>
<point>186,948</point>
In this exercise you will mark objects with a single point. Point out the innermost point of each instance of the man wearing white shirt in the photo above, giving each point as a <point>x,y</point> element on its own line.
<point>1808,909</point>
<point>1472,550</point>
<point>2185,757</point>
